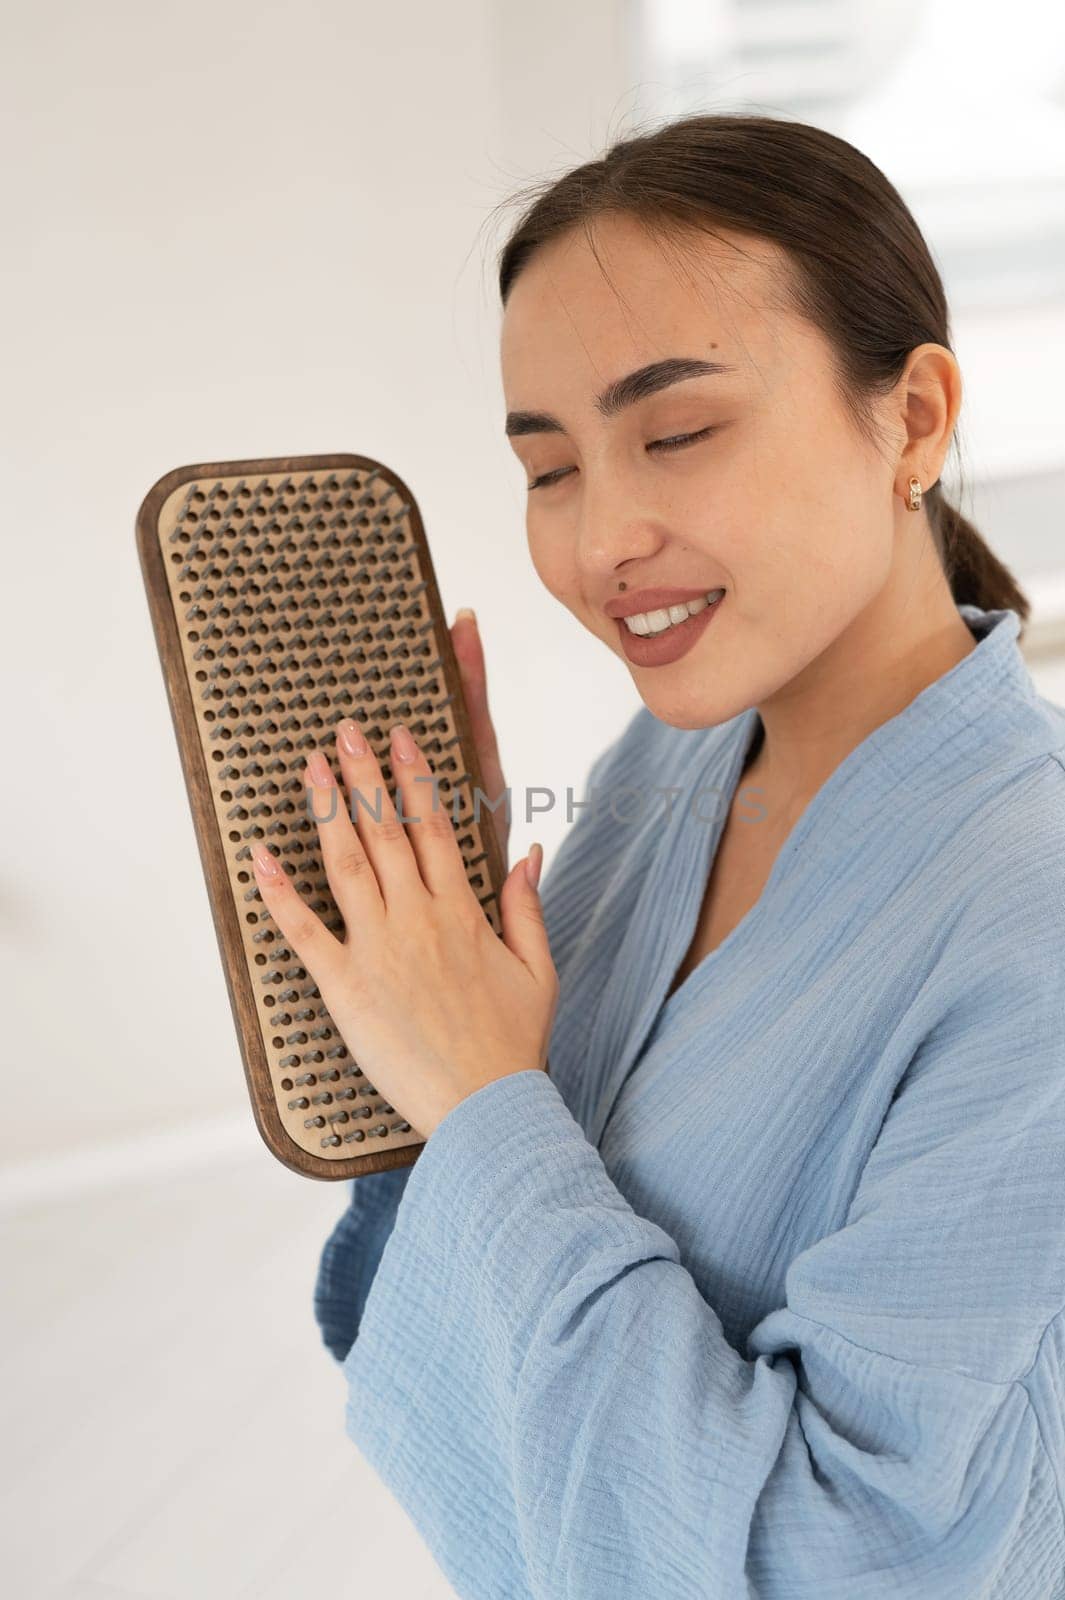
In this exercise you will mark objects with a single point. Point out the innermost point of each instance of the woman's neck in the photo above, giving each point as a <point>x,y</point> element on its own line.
<point>801,738</point>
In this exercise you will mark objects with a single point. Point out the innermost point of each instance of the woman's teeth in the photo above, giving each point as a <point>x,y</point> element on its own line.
<point>645,622</point>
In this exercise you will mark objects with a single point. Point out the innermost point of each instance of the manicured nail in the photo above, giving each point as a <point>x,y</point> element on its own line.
<point>403,742</point>
<point>351,739</point>
<point>319,769</point>
<point>265,862</point>
<point>533,864</point>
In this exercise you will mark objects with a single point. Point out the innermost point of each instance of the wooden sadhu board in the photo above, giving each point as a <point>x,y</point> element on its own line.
<point>285,594</point>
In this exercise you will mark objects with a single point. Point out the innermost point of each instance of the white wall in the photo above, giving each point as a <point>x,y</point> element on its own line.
<point>235,230</point>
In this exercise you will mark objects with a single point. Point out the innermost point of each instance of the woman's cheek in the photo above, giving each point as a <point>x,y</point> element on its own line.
<point>553,569</point>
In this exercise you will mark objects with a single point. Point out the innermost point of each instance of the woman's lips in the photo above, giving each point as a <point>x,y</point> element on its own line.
<point>658,650</point>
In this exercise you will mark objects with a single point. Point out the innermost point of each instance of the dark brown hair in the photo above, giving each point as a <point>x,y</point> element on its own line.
<point>860,268</point>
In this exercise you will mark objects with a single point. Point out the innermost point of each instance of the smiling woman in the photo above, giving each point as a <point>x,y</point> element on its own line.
<point>762,1291</point>
<point>784,494</point>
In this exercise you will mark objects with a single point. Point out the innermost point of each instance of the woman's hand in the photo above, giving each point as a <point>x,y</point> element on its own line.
<point>466,640</point>
<point>432,1004</point>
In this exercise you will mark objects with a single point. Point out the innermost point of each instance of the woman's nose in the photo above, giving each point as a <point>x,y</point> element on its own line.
<point>613,532</point>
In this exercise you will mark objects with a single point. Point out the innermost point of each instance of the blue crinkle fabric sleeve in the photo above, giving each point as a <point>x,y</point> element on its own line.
<point>352,1254</point>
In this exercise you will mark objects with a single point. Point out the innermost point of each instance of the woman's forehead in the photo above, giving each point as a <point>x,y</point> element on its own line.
<point>568,308</point>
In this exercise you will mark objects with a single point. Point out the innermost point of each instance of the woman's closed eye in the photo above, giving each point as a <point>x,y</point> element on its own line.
<point>678,441</point>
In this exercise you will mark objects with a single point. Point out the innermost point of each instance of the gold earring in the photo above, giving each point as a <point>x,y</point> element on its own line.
<point>914,503</point>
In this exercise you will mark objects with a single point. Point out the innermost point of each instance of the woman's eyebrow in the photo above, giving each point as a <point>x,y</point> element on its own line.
<point>623,392</point>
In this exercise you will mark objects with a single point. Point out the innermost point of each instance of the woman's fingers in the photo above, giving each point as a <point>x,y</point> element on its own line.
<point>469,652</point>
<point>368,862</point>
<point>375,859</point>
<point>305,933</point>
<point>430,829</point>
<point>357,874</point>
<point>412,850</point>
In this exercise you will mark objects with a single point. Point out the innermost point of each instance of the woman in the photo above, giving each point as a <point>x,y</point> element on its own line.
<point>760,1291</point>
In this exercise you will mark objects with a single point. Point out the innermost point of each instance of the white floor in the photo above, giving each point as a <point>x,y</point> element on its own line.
<point>172,1426</point>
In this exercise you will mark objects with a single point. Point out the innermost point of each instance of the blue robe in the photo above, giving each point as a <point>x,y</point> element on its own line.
<point>761,1292</point>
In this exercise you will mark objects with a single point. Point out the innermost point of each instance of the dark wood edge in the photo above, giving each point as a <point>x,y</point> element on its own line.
<point>198,785</point>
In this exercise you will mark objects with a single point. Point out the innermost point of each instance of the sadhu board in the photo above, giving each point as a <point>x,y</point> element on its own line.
<point>285,594</point>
